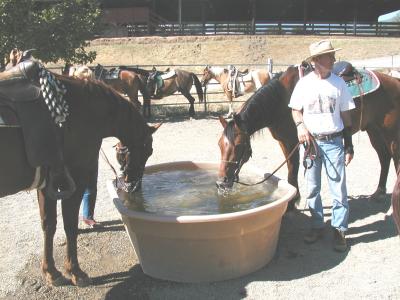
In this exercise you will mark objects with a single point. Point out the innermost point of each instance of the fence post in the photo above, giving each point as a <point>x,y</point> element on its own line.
<point>269,65</point>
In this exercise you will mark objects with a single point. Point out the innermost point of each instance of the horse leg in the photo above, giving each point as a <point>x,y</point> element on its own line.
<point>376,139</point>
<point>293,170</point>
<point>48,216</point>
<point>146,108</point>
<point>70,212</point>
<point>191,101</point>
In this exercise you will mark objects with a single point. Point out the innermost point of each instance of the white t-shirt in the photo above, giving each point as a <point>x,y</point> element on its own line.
<point>321,101</point>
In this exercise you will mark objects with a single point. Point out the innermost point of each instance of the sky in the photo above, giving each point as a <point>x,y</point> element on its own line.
<point>390,17</point>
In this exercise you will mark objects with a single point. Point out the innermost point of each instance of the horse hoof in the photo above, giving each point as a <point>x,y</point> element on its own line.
<point>59,281</point>
<point>379,195</point>
<point>82,281</point>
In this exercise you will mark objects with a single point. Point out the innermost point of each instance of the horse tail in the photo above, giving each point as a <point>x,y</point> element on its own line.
<point>143,89</point>
<point>396,203</point>
<point>198,86</point>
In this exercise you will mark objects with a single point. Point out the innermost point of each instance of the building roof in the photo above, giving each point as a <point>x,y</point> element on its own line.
<point>265,10</point>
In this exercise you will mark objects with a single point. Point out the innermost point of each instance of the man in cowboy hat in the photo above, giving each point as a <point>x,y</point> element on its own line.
<point>321,107</point>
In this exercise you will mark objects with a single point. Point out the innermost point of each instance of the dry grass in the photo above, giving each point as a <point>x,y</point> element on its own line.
<point>199,50</point>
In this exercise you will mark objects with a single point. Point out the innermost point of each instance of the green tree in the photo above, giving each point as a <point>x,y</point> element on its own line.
<point>56,29</point>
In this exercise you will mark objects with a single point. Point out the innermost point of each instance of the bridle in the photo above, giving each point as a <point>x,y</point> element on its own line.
<point>244,156</point>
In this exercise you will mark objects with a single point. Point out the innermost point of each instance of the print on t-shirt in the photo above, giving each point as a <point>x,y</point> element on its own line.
<point>323,105</point>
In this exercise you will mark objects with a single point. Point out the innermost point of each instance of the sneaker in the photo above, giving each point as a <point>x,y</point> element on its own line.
<point>91,223</point>
<point>339,240</point>
<point>314,235</point>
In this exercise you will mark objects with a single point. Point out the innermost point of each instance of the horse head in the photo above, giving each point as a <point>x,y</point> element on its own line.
<point>235,148</point>
<point>132,158</point>
<point>207,75</point>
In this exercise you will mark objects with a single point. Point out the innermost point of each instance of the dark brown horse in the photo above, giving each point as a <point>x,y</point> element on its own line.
<point>268,107</point>
<point>96,111</point>
<point>127,81</point>
<point>162,84</point>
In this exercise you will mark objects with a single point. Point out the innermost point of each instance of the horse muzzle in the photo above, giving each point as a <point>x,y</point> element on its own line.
<point>224,183</point>
<point>133,186</point>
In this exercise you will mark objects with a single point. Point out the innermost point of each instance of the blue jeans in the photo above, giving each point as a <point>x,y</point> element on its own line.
<point>89,195</point>
<point>332,157</point>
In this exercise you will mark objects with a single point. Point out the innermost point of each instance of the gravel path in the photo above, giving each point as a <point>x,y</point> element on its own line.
<point>369,270</point>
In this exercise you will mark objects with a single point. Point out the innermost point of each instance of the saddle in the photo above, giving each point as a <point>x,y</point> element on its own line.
<point>17,83</point>
<point>157,79</point>
<point>21,105</point>
<point>235,77</point>
<point>103,74</point>
<point>359,82</point>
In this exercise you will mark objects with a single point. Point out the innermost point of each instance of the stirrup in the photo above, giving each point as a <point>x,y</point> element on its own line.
<point>58,194</point>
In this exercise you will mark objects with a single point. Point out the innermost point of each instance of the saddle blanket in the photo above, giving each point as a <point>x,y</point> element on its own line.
<point>160,78</point>
<point>168,74</point>
<point>369,83</point>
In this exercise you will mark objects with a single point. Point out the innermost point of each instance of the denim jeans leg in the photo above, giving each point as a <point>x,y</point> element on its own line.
<point>336,176</point>
<point>89,196</point>
<point>313,197</point>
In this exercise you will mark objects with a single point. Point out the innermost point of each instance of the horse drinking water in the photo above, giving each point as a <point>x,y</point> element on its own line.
<point>377,112</point>
<point>96,111</point>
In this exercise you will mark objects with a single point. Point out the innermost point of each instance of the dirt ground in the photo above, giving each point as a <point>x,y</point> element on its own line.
<point>369,270</point>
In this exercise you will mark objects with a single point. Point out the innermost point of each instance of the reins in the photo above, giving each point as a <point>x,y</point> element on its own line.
<point>307,153</point>
<point>121,182</point>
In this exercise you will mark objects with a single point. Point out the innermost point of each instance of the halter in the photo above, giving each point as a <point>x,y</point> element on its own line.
<point>241,160</point>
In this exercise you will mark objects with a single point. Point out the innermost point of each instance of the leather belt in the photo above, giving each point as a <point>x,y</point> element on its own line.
<point>327,137</point>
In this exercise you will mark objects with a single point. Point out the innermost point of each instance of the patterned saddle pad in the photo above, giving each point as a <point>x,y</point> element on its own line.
<point>369,83</point>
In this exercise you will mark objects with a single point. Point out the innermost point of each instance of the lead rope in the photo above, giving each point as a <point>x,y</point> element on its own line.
<point>122,183</point>
<point>270,175</point>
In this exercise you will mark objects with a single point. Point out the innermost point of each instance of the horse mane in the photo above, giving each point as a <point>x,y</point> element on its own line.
<point>260,110</point>
<point>94,90</point>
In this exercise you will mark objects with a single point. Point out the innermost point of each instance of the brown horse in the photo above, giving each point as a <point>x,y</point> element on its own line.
<point>246,82</point>
<point>162,84</point>
<point>96,111</point>
<point>127,81</point>
<point>379,113</point>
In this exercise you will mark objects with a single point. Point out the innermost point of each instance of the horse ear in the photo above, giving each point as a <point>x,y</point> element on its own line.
<point>155,127</point>
<point>223,122</point>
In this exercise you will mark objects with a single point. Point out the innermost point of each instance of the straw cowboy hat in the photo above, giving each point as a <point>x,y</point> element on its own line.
<point>321,47</point>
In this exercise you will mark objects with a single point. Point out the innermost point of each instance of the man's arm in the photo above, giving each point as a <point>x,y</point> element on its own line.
<point>348,143</point>
<point>302,132</point>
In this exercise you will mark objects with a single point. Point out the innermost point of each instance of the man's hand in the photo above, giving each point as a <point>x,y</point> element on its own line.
<point>348,158</point>
<point>303,134</point>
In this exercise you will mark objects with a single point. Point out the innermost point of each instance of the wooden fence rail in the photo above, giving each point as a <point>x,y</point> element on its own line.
<point>264,28</point>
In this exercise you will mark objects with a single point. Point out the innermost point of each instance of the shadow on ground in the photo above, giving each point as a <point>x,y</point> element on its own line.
<point>107,256</point>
